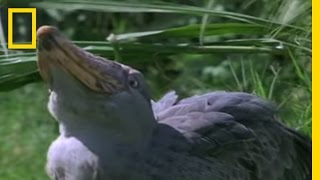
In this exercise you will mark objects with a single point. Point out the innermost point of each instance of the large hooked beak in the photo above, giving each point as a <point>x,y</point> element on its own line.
<point>96,73</point>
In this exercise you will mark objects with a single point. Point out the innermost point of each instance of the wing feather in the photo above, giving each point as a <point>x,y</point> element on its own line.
<point>240,128</point>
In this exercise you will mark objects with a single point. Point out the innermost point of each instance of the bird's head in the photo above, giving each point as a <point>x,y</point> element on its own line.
<point>88,89</point>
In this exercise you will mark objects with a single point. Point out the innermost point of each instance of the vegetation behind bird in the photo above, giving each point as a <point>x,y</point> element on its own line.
<point>282,74</point>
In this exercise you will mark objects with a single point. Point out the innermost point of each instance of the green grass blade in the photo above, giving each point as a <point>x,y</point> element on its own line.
<point>192,31</point>
<point>156,7</point>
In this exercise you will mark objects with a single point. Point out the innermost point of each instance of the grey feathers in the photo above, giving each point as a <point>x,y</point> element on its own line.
<point>239,128</point>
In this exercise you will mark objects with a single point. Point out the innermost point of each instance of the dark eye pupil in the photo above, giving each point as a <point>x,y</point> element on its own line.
<point>133,83</point>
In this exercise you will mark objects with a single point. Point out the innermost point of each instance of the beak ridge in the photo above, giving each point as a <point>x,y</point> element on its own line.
<point>96,73</point>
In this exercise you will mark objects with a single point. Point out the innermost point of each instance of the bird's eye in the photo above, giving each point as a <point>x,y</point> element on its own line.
<point>133,83</point>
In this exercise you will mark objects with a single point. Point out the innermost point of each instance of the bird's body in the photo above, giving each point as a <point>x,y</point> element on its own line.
<point>230,145</point>
<point>109,129</point>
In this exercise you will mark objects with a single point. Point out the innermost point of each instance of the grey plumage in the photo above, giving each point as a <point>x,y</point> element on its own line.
<point>241,128</point>
<point>110,129</point>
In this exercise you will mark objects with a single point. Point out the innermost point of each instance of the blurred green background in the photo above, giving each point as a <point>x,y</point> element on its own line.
<point>192,46</point>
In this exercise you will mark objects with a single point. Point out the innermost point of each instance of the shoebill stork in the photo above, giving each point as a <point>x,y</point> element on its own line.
<point>110,129</point>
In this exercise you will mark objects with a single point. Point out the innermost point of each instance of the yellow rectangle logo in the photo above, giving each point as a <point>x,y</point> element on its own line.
<point>33,12</point>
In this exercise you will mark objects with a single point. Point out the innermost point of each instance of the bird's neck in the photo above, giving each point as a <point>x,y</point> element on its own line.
<point>111,125</point>
<point>116,153</point>
<point>123,135</point>
<point>104,123</point>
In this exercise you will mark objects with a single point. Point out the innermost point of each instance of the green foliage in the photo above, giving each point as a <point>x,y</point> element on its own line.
<point>26,131</point>
<point>257,46</point>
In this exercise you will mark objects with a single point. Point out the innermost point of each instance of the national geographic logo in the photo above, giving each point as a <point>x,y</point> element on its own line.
<point>33,12</point>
